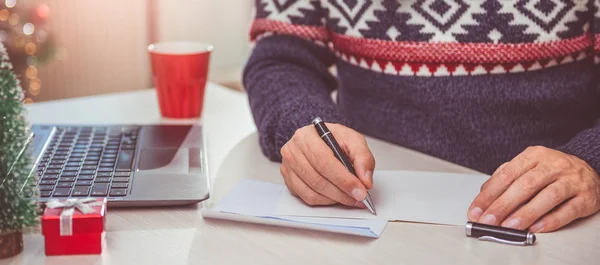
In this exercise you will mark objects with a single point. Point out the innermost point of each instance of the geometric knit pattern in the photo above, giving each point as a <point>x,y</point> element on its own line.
<point>440,37</point>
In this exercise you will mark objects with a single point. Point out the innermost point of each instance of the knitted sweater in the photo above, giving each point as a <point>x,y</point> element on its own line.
<point>471,82</point>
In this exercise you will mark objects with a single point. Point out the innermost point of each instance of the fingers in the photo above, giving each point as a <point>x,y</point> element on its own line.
<point>362,159</point>
<point>558,218</point>
<point>544,202</point>
<point>516,195</point>
<point>303,169</point>
<point>298,188</point>
<point>321,158</point>
<point>499,183</point>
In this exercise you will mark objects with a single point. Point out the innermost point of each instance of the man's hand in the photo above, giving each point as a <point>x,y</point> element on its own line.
<point>541,189</point>
<point>314,174</point>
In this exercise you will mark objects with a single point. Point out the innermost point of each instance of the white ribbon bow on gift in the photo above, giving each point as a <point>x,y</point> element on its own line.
<point>84,205</point>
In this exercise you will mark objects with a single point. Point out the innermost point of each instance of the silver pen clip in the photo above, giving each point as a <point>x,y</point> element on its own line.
<point>503,241</point>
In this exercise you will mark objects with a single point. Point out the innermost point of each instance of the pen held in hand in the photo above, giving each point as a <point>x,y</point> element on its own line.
<point>328,138</point>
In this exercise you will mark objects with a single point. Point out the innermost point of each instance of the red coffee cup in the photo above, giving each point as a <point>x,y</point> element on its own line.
<point>179,72</point>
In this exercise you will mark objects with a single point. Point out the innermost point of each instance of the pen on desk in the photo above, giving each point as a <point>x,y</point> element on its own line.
<point>327,136</point>
<point>499,234</point>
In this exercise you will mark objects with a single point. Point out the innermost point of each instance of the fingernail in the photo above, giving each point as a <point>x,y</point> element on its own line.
<point>359,204</point>
<point>475,213</point>
<point>537,227</point>
<point>369,176</point>
<point>489,219</point>
<point>358,194</point>
<point>513,223</point>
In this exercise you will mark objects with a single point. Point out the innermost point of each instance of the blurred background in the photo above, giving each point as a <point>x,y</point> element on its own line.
<point>72,48</point>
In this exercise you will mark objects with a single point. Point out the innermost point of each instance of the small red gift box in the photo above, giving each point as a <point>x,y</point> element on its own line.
<point>74,226</point>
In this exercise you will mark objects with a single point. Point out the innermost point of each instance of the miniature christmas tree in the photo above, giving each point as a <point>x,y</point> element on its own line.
<point>17,210</point>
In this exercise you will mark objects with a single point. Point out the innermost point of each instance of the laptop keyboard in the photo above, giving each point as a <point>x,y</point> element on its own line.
<point>88,162</point>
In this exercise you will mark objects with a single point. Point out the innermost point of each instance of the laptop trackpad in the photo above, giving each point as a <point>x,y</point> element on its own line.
<point>164,160</point>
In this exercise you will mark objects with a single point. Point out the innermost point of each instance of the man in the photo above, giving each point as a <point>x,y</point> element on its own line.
<point>509,88</point>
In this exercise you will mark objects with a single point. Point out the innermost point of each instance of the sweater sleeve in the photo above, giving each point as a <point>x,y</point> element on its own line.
<point>287,77</point>
<point>586,144</point>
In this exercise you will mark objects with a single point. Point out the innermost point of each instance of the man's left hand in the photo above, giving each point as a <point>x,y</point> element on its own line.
<point>541,189</point>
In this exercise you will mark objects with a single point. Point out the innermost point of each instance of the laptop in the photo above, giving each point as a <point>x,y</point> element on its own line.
<point>130,165</point>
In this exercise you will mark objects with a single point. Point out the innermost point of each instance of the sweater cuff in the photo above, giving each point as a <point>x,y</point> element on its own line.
<point>586,145</point>
<point>293,115</point>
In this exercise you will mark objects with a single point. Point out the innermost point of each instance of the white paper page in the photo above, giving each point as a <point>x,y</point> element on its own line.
<point>429,197</point>
<point>254,198</point>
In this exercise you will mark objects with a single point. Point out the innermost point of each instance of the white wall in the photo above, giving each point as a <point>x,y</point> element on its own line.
<point>105,46</point>
<point>106,40</point>
<point>222,23</point>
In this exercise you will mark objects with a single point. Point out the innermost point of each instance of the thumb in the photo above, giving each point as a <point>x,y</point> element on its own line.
<point>362,160</point>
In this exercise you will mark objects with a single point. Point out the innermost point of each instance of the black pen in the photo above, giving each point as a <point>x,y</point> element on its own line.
<point>327,136</point>
<point>499,234</point>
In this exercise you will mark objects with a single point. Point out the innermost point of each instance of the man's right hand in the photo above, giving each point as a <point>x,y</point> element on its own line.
<point>314,174</point>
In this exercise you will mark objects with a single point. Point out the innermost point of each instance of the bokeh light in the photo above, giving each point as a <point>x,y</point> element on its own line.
<point>28,28</point>
<point>30,48</point>
<point>43,11</point>
<point>4,14</point>
<point>14,19</point>
<point>10,3</point>
<point>32,61</point>
<point>31,72</point>
<point>34,88</point>
<point>28,101</point>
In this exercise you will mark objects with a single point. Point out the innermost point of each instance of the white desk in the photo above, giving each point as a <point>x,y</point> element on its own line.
<point>180,236</point>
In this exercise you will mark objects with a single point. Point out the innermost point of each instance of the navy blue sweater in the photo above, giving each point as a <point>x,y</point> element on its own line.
<point>472,82</point>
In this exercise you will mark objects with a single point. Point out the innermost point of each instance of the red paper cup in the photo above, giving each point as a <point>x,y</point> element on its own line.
<point>179,71</point>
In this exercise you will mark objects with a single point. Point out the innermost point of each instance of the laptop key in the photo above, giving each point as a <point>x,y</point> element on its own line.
<point>57,166</point>
<point>107,161</point>
<point>120,185</point>
<point>68,174</point>
<point>53,171</point>
<point>45,193</point>
<point>109,156</point>
<point>64,185</point>
<point>100,189</point>
<point>47,182</point>
<point>125,160</point>
<point>118,192</point>
<point>90,167</point>
<point>102,180</point>
<point>77,155</point>
<point>81,191</point>
<point>58,161</point>
<point>91,162</point>
<point>61,192</point>
<point>50,176</point>
<point>107,164</point>
<point>122,174</point>
<point>74,164</point>
<point>105,169</point>
<point>104,174</point>
<point>83,183</point>
<point>88,172</point>
<point>46,187</point>
<point>66,179</point>
<point>71,169</point>
<point>121,179</point>
<point>85,177</point>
